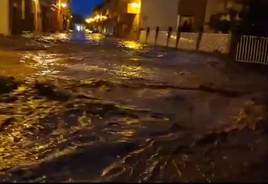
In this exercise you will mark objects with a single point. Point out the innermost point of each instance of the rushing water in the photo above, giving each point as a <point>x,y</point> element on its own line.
<point>89,108</point>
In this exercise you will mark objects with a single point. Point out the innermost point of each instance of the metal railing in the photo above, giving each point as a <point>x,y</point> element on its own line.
<point>252,49</point>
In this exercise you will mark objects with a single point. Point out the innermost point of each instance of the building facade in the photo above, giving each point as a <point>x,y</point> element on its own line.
<point>4,15</point>
<point>117,17</point>
<point>126,17</point>
<point>189,15</point>
<point>221,15</point>
<point>18,16</point>
<point>55,15</point>
<point>159,13</point>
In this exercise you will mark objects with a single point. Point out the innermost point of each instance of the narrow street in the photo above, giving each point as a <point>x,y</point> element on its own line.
<point>86,108</point>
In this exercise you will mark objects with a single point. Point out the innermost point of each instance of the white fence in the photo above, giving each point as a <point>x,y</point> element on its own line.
<point>151,37</point>
<point>252,49</point>
<point>208,42</point>
<point>162,38</point>
<point>188,41</point>
<point>213,41</point>
<point>173,40</point>
<point>142,38</point>
<point>249,49</point>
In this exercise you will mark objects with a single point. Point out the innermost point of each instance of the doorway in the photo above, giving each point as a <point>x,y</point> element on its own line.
<point>16,18</point>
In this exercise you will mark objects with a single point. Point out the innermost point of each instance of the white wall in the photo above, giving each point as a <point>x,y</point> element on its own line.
<point>4,17</point>
<point>162,13</point>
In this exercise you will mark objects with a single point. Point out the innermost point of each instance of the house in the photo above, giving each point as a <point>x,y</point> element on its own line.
<point>64,14</point>
<point>33,15</point>
<point>19,15</point>
<point>117,17</point>
<point>125,17</point>
<point>55,15</point>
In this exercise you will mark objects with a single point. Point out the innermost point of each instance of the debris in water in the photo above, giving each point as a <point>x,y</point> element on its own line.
<point>52,92</point>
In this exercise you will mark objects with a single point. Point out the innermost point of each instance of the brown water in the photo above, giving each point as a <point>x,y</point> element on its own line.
<point>89,108</point>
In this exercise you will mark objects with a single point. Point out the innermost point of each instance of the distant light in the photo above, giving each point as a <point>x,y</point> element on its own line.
<point>78,28</point>
<point>104,17</point>
<point>89,20</point>
<point>96,18</point>
<point>63,5</point>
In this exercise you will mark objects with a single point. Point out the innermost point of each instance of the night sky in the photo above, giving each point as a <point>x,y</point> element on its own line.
<point>84,7</point>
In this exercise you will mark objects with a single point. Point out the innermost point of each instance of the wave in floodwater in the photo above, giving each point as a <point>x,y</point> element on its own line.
<point>51,133</point>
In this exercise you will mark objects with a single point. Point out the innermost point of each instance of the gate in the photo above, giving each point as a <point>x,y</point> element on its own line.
<point>252,49</point>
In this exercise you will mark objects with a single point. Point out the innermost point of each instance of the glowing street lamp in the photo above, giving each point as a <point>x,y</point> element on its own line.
<point>134,8</point>
<point>63,5</point>
<point>135,5</point>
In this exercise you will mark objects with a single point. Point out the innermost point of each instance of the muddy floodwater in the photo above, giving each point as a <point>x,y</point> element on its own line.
<point>86,108</point>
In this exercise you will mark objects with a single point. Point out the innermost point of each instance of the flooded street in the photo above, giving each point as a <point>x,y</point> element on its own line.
<point>85,108</point>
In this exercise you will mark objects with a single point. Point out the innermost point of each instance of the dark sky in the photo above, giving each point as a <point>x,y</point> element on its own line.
<point>84,7</point>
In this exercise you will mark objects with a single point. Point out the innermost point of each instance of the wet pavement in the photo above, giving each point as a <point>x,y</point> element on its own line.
<point>85,108</point>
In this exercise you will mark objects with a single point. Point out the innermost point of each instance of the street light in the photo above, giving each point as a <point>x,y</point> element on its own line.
<point>134,8</point>
<point>63,5</point>
<point>135,5</point>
